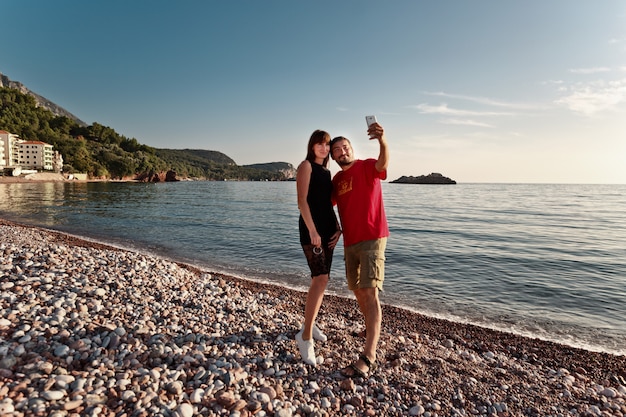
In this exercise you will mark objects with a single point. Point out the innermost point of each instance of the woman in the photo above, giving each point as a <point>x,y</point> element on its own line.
<point>319,233</point>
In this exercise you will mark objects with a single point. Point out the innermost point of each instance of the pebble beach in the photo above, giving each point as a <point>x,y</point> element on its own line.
<point>88,329</point>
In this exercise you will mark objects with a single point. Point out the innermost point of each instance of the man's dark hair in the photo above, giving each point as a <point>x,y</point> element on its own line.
<point>337,139</point>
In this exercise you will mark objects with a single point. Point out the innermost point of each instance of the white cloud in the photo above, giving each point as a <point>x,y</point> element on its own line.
<point>594,70</point>
<point>482,100</point>
<point>448,111</point>
<point>465,122</point>
<point>594,97</point>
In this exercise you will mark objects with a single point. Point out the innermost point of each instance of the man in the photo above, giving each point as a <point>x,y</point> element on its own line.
<point>358,194</point>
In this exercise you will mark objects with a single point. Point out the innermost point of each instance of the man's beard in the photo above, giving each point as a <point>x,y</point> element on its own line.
<point>344,161</point>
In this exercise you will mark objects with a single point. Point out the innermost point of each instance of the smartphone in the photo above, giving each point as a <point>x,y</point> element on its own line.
<point>370,120</point>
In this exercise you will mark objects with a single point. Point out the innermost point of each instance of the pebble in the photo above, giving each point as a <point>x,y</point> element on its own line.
<point>609,392</point>
<point>53,395</point>
<point>184,410</point>
<point>196,396</point>
<point>91,330</point>
<point>6,407</point>
<point>416,410</point>
<point>72,405</point>
<point>61,351</point>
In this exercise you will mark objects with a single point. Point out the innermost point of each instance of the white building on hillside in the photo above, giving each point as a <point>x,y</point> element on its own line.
<point>9,149</point>
<point>27,154</point>
<point>34,154</point>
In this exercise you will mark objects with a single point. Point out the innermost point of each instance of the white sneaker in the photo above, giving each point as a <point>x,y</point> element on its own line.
<point>307,350</point>
<point>318,334</point>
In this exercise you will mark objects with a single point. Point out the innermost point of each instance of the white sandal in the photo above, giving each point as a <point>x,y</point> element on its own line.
<point>318,334</point>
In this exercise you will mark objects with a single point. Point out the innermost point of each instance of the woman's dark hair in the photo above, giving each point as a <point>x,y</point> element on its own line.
<point>319,136</point>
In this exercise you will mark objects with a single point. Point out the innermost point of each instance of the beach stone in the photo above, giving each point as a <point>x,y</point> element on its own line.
<point>128,395</point>
<point>24,339</point>
<point>500,407</point>
<point>8,362</point>
<point>19,350</point>
<point>239,405</point>
<point>489,356</point>
<point>78,384</point>
<point>595,410</point>
<point>175,387</point>
<point>123,383</point>
<point>270,391</point>
<point>47,368</point>
<point>52,395</point>
<point>283,412</point>
<point>416,410</point>
<point>196,396</point>
<point>184,410</point>
<point>226,399</point>
<point>356,401</point>
<point>37,405</point>
<point>609,392</point>
<point>261,396</point>
<point>94,399</point>
<point>254,406</point>
<point>61,351</point>
<point>314,386</point>
<point>325,403</point>
<point>155,374</point>
<point>72,405</point>
<point>63,381</point>
<point>218,385</point>
<point>348,385</point>
<point>6,286</point>
<point>569,380</point>
<point>6,407</point>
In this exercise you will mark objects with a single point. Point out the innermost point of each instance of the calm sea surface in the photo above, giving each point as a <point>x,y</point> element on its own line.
<point>545,261</point>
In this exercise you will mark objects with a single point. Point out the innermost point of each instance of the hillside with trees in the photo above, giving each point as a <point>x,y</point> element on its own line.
<point>101,152</point>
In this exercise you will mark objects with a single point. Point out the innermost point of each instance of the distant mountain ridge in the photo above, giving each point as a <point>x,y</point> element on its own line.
<point>285,168</point>
<point>41,101</point>
<point>203,159</point>
<point>200,156</point>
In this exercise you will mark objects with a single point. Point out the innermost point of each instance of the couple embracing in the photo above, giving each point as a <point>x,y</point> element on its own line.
<point>356,190</point>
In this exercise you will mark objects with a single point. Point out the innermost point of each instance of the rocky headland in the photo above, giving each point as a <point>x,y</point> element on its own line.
<point>91,330</point>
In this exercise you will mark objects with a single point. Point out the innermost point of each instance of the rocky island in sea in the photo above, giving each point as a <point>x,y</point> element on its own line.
<point>432,178</point>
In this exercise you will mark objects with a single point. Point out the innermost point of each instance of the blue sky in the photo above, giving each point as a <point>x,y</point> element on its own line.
<point>480,91</point>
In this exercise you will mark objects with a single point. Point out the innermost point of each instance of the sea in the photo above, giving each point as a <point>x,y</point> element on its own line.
<point>545,261</point>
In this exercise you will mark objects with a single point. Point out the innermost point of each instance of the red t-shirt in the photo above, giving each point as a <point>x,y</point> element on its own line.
<point>358,194</point>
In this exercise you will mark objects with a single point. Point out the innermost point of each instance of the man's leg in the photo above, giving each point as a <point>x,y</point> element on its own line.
<point>365,263</point>
<point>370,307</point>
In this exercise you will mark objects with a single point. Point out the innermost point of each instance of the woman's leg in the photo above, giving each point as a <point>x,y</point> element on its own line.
<point>313,303</point>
